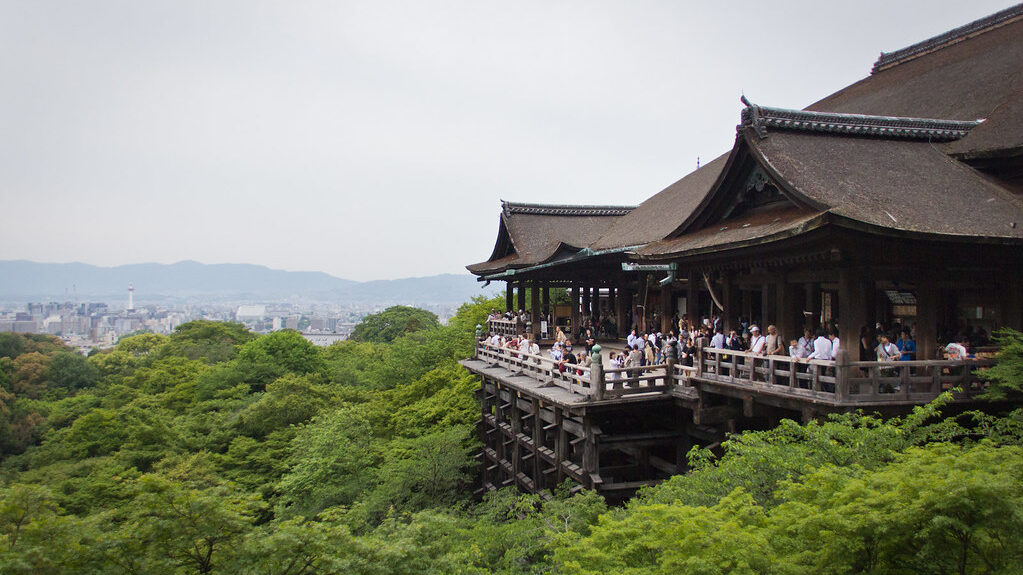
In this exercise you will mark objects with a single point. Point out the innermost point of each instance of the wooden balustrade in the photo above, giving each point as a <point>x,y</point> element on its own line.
<point>509,327</point>
<point>815,380</point>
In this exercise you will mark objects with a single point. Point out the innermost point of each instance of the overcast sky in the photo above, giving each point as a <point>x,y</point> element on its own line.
<point>375,140</point>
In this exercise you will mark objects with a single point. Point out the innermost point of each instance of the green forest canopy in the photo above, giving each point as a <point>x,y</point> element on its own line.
<point>214,450</point>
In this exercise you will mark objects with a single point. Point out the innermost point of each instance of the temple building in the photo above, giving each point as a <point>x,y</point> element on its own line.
<point>897,200</point>
<point>904,187</point>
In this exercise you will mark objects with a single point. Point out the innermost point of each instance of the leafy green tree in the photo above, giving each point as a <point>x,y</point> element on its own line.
<point>428,471</point>
<point>11,345</point>
<point>393,323</point>
<point>141,344</point>
<point>269,357</point>
<point>209,341</point>
<point>189,528</point>
<point>29,374</point>
<point>71,371</point>
<point>333,463</point>
<point>728,538</point>
<point>290,400</point>
<point>1005,378</point>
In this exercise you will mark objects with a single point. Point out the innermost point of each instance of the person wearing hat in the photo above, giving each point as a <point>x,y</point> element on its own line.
<point>758,343</point>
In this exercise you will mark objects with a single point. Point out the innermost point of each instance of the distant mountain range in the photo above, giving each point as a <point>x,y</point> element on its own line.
<point>22,281</point>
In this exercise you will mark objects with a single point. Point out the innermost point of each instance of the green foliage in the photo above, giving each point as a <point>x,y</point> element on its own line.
<point>392,323</point>
<point>269,357</point>
<point>216,451</point>
<point>209,341</point>
<point>332,463</point>
<point>290,400</point>
<point>71,371</point>
<point>1005,379</point>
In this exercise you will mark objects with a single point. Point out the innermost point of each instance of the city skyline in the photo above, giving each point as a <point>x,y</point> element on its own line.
<point>375,142</point>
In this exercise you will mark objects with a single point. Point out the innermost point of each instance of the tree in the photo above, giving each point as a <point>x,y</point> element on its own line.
<point>333,463</point>
<point>71,371</point>
<point>1006,377</point>
<point>268,357</point>
<point>210,341</point>
<point>393,323</point>
<point>181,526</point>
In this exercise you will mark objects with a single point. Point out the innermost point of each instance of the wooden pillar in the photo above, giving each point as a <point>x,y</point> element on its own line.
<point>591,457</point>
<point>926,320</point>
<point>509,296</point>
<point>595,303</point>
<point>537,443</point>
<point>620,310</point>
<point>586,291</point>
<point>516,426</point>
<point>547,301</point>
<point>534,308</point>
<point>521,289</point>
<point>730,300</point>
<point>692,298</point>
<point>813,305</point>
<point>852,307</point>
<point>1012,300</point>
<point>667,308</point>
<point>560,442</point>
<point>768,313</point>
<point>575,310</point>
<point>784,317</point>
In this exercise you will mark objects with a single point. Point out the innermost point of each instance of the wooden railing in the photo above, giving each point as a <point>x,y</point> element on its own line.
<point>841,382</point>
<point>593,381</point>
<point>509,327</point>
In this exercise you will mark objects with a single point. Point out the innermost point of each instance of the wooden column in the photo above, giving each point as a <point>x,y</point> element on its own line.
<point>620,310</point>
<point>852,307</point>
<point>585,309</point>
<point>509,296</point>
<point>595,303</point>
<point>538,475</point>
<point>768,307</point>
<point>813,304</point>
<point>692,298</point>
<point>926,320</point>
<point>575,309</point>
<point>521,289</point>
<point>534,307</point>
<point>784,318</point>
<point>591,457</point>
<point>730,300</point>
<point>667,308</point>
<point>1012,300</point>
<point>547,301</point>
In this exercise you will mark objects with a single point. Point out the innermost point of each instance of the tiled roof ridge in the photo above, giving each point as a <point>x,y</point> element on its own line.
<point>996,20</point>
<point>760,118</point>
<point>510,208</point>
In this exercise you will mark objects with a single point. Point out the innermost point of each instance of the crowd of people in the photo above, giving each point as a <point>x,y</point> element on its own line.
<point>651,348</point>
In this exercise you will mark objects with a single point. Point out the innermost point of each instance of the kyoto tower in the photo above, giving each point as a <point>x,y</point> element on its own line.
<point>131,297</point>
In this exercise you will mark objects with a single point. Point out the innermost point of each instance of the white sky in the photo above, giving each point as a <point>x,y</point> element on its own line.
<point>374,140</point>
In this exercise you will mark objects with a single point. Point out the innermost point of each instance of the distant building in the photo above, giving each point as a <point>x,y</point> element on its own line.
<point>250,313</point>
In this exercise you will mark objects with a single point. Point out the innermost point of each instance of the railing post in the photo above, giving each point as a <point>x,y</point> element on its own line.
<point>699,357</point>
<point>479,334</point>
<point>596,373</point>
<point>669,361</point>
<point>841,374</point>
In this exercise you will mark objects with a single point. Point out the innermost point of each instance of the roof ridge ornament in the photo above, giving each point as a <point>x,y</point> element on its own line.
<point>998,19</point>
<point>760,118</point>
<point>510,208</point>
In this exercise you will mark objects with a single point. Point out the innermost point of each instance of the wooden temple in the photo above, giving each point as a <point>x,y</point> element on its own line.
<point>896,200</point>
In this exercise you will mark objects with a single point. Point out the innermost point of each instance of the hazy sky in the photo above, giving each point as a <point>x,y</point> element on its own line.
<point>374,140</point>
